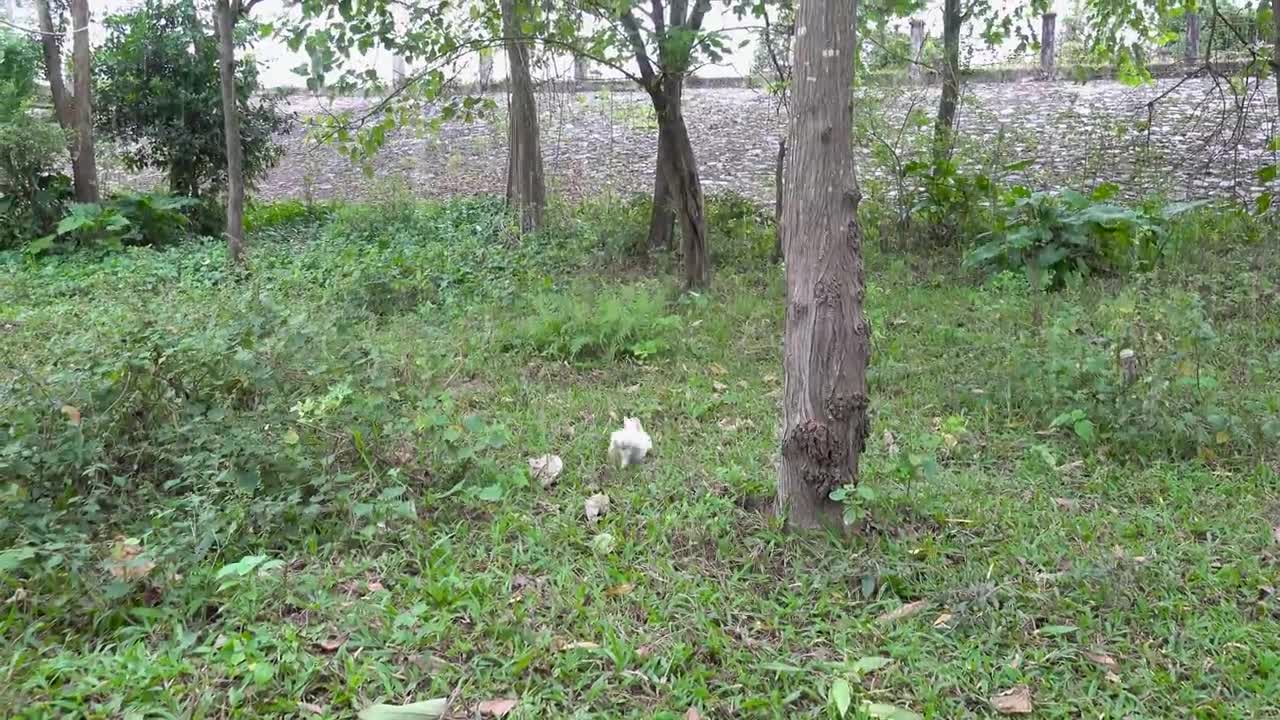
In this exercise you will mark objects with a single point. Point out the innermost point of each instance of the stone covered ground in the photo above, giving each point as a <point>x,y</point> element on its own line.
<point>1197,141</point>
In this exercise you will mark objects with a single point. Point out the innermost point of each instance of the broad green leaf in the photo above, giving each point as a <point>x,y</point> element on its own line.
<point>424,710</point>
<point>779,667</point>
<point>842,696</point>
<point>870,664</point>
<point>885,711</point>
<point>1056,630</point>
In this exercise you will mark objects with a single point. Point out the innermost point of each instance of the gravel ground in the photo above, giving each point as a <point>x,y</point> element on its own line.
<point>1194,142</point>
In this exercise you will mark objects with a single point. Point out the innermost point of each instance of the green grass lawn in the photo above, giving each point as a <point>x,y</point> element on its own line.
<point>304,490</point>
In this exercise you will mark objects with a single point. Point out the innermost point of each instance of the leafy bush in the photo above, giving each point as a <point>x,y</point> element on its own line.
<point>633,323</point>
<point>128,219</point>
<point>33,193</point>
<point>1051,235</point>
<point>740,232</point>
<point>156,90</point>
<point>19,60</point>
<point>1144,374</point>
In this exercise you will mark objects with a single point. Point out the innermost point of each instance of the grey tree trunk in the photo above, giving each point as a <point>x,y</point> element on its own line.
<point>226,19</point>
<point>1193,38</point>
<point>1049,44</point>
<point>826,342</point>
<point>51,43</point>
<point>683,183</point>
<point>914,70</point>
<point>944,127</point>
<point>85,170</point>
<point>526,184</point>
<point>662,219</point>
<point>1275,49</point>
<point>778,185</point>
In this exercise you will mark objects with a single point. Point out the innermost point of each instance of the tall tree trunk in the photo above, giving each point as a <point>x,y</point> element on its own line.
<point>944,128</point>
<point>1275,49</point>
<point>826,342</point>
<point>662,220</point>
<point>226,19</point>
<point>684,185</point>
<point>51,42</point>
<point>85,170</point>
<point>526,186</point>
<point>778,186</point>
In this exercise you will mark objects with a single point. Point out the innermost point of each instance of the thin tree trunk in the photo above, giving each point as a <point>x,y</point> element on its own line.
<point>777,199</point>
<point>50,42</point>
<point>944,128</point>
<point>685,187</point>
<point>662,220</point>
<point>826,342</point>
<point>526,184</point>
<point>226,20</point>
<point>85,170</point>
<point>1275,50</point>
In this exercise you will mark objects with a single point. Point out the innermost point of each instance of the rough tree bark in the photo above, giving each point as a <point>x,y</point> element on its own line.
<point>50,42</point>
<point>1275,49</point>
<point>826,341</point>
<point>944,127</point>
<point>664,84</point>
<point>227,10</point>
<point>662,219</point>
<point>85,171</point>
<point>778,186</point>
<point>526,184</point>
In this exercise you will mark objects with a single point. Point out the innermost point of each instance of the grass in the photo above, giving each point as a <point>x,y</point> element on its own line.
<point>351,418</point>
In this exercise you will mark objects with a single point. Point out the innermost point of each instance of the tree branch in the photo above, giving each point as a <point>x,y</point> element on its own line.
<point>637,44</point>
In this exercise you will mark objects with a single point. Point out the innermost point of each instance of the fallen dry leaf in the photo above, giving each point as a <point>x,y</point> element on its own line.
<point>620,590</point>
<point>1016,701</point>
<point>546,469</point>
<point>1066,504</point>
<point>73,414</point>
<point>1275,533</point>
<point>719,386</point>
<point>596,506</point>
<point>1102,659</point>
<point>127,561</point>
<point>942,619</point>
<point>312,708</point>
<point>375,586</point>
<point>330,644</point>
<point>905,611</point>
<point>693,714</point>
<point>717,369</point>
<point>496,708</point>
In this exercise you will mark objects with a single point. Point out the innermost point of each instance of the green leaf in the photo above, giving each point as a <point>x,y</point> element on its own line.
<point>1267,173</point>
<point>424,710</point>
<point>13,557</point>
<point>885,711</point>
<point>1263,203</point>
<point>870,664</point>
<point>842,696</point>
<point>1085,430</point>
<point>490,493</point>
<point>779,667</point>
<point>1056,630</point>
<point>1019,165</point>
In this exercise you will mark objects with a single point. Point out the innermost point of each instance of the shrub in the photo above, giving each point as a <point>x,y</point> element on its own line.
<point>1052,235</point>
<point>33,194</point>
<point>156,90</point>
<point>740,232</point>
<point>19,59</point>
<point>127,219</point>
<point>633,323</point>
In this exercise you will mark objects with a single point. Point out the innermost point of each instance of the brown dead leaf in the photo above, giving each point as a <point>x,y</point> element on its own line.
<point>1016,701</point>
<point>496,708</point>
<point>717,369</point>
<point>312,708</point>
<point>1066,504</point>
<point>545,469</point>
<point>73,414</point>
<point>1102,659</point>
<point>330,644</point>
<point>719,386</point>
<point>127,561</point>
<point>375,586</point>
<point>1275,533</point>
<point>903,612</point>
<point>620,590</point>
<point>943,619</point>
<point>693,714</point>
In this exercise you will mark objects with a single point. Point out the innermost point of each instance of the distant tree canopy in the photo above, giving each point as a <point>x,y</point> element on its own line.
<point>157,90</point>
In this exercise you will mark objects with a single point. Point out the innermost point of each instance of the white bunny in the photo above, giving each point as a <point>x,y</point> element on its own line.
<point>629,445</point>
